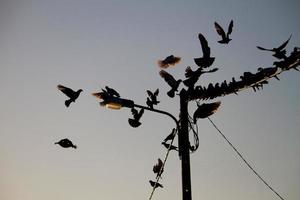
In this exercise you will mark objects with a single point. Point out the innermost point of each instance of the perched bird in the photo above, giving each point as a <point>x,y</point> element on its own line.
<point>155,184</point>
<point>279,52</point>
<point>174,84</point>
<point>158,168</point>
<point>168,61</point>
<point>135,122</point>
<point>70,93</point>
<point>205,61</point>
<point>193,76</point>
<point>171,135</point>
<point>152,98</point>
<point>205,110</point>
<point>169,146</point>
<point>66,143</point>
<point>221,32</point>
<point>112,92</point>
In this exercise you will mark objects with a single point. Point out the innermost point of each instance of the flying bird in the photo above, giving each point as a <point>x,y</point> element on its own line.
<point>174,84</point>
<point>152,98</point>
<point>279,52</point>
<point>158,168</point>
<point>70,93</point>
<point>135,122</point>
<point>168,61</point>
<point>221,32</point>
<point>205,110</point>
<point>205,61</point>
<point>169,146</point>
<point>193,76</point>
<point>152,183</point>
<point>171,135</point>
<point>66,143</point>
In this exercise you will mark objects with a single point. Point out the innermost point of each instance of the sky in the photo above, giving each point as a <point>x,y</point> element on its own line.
<point>93,43</point>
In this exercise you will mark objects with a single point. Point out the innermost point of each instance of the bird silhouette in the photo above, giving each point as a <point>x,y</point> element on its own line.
<point>152,98</point>
<point>158,168</point>
<point>135,121</point>
<point>70,93</point>
<point>171,135</point>
<point>168,61</point>
<point>66,143</point>
<point>221,32</point>
<point>205,61</point>
<point>111,92</point>
<point>169,146</point>
<point>205,110</point>
<point>174,84</point>
<point>152,183</point>
<point>279,52</point>
<point>193,76</point>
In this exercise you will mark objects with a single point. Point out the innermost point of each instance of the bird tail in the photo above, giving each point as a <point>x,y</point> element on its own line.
<point>162,64</point>
<point>171,93</point>
<point>67,102</point>
<point>74,146</point>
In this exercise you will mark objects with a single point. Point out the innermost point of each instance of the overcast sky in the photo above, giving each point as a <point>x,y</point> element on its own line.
<point>89,44</point>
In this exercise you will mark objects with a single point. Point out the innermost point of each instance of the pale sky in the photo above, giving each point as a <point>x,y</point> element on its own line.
<point>88,44</point>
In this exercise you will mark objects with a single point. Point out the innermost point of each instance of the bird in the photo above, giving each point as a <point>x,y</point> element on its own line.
<point>205,110</point>
<point>158,168</point>
<point>279,52</point>
<point>193,76</point>
<point>155,184</point>
<point>169,146</point>
<point>152,98</point>
<point>70,93</point>
<point>174,84</point>
<point>171,135</point>
<point>66,143</point>
<point>205,61</point>
<point>111,92</point>
<point>135,122</point>
<point>168,61</point>
<point>221,32</point>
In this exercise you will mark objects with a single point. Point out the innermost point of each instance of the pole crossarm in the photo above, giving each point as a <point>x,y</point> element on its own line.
<point>248,80</point>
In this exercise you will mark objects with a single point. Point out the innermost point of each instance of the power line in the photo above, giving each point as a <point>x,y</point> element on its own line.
<point>245,161</point>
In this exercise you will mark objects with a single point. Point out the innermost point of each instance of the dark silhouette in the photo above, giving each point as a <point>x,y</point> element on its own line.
<point>169,146</point>
<point>152,183</point>
<point>221,32</point>
<point>193,76</point>
<point>66,143</point>
<point>205,110</point>
<point>171,135</point>
<point>279,52</point>
<point>168,61</point>
<point>70,93</point>
<point>174,84</point>
<point>206,60</point>
<point>158,168</point>
<point>135,122</point>
<point>152,98</point>
<point>111,91</point>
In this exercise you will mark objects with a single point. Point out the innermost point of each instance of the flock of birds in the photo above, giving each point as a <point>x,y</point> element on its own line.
<point>248,79</point>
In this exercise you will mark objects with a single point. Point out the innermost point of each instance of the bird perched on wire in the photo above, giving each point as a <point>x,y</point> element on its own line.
<point>168,61</point>
<point>279,52</point>
<point>221,32</point>
<point>135,121</point>
<point>152,183</point>
<point>193,76</point>
<point>66,143</point>
<point>152,98</point>
<point>205,110</point>
<point>169,146</point>
<point>205,61</point>
<point>70,93</point>
<point>171,135</point>
<point>158,168</point>
<point>174,84</point>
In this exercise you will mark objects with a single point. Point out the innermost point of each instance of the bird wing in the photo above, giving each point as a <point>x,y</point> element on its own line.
<point>67,91</point>
<point>168,77</point>
<point>150,94</point>
<point>134,112</point>
<point>220,30</point>
<point>156,92</point>
<point>264,49</point>
<point>284,44</point>
<point>230,28</point>
<point>98,95</point>
<point>140,114</point>
<point>204,45</point>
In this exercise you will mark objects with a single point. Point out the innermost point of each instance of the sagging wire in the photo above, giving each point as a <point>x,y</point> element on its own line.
<point>245,161</point>
<point>162,168</point>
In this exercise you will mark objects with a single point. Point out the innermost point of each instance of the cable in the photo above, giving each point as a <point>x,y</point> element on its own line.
<point>246,162</point>
<point>162,168</point>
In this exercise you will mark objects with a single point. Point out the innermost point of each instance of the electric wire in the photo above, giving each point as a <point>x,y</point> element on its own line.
<point>162,168</point>
<point>195,134</point>
<point>245,161</point>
